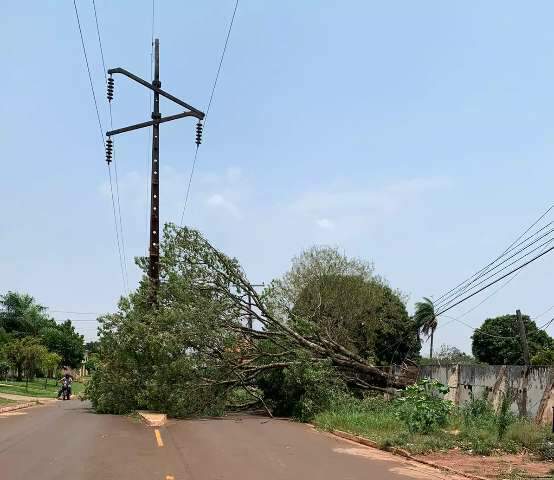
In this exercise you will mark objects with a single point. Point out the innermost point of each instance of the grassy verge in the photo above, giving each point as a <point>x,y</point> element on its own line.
<point>4,402</point>
<point>36,388</point>
<point>473,429</point>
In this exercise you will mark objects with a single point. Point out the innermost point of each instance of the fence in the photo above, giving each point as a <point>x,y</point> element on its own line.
<point>530,388</point>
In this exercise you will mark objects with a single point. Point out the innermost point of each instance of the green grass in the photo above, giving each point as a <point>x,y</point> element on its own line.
<point>36,388</point>
<point>5,402</point>
<point>473,429</point>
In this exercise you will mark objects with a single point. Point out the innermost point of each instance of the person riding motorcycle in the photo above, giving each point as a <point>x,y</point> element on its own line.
<point>65,390</point>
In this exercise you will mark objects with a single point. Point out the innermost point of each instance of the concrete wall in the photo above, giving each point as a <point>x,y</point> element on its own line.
<point>530,387</point>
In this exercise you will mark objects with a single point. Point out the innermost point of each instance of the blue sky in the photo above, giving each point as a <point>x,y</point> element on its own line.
<point>417,135</point>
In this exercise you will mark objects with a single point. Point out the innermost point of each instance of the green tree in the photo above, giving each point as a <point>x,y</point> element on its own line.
<point>426,320</point>
<point>33,355</point>
<point>92,347</point>
<point>497,341</point>
<point>543,357</point>
<point>331,295</point>
<point>15,355</point>
<point>65,341</point>
<point>50,363</point>
<point>20,315</point>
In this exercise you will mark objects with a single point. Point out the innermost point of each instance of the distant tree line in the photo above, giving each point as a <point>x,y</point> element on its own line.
<point>31,342</point>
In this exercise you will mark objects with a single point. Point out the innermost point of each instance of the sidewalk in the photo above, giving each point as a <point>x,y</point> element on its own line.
<point>25,398</point>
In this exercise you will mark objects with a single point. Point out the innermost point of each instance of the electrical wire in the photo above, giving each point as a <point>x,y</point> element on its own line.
<point>209,106</point>
<point>501,255</point>
<point>496,281</point>
<point>447,299</point>
<point>114,155</point>
<point>74,313</point>
<point>101,131</point>
<point>445,305</point>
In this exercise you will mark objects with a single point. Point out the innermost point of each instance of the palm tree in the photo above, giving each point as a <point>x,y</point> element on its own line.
<point>426,319</point>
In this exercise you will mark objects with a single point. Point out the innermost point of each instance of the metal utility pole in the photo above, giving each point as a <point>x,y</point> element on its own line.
<point>250,316</point>
<point>155,86</point>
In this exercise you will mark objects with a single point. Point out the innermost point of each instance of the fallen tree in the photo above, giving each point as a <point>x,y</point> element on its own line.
<point>197,339</point>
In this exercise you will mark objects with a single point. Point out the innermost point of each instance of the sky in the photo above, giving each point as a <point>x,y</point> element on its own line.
<point>416,135</point>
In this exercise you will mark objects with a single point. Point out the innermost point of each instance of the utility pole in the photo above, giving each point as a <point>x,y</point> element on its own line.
<point>250,316</point>
<point>523,335</point>
<point>525,379</point>
<point>155,86</point>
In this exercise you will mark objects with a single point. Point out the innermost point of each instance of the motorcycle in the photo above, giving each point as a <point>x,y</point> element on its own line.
<point>66,395</point>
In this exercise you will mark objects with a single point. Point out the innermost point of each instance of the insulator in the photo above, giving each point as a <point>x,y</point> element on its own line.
<point>110,89</point>
<point>109,150</point>
<point>199,133</point>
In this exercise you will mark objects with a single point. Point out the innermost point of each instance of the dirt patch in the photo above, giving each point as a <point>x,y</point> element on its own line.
<point>501,466</point>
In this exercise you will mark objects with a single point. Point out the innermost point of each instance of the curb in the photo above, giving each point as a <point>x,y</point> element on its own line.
<point>18,407</point>
<point>401,452</point>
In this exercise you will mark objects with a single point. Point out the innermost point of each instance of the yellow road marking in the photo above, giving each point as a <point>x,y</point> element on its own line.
<point>159,438</point>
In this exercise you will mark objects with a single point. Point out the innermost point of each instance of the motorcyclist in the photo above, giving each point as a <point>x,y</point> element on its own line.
<point>66,382</point>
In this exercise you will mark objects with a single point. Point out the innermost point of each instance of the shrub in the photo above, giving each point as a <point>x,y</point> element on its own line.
<point>422,407</point>
<point>301,391</point>
<point>504,417</point>
<point>477,411</point>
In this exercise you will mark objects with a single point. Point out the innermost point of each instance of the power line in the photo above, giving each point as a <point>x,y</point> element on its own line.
<point>484,271</point>
<point>101,130</point>
<point>446,304</point>
<point>209,106</point>
<point>74,313</point>
<point>501,255</point>
<point>114,156</point>
<point>496,281</point>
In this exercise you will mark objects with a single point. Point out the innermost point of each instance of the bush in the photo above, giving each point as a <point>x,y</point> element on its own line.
<point>301,391</point>
<point>4,369</point>
<point>422,407</point>
<point>477,411</point>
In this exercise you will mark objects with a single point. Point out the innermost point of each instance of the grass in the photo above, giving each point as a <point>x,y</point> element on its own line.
<point>4,402</point>
<point>36,388</point>
<point>473,429</point>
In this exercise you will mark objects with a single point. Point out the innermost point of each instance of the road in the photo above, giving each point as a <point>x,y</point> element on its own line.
<point>65,440</point>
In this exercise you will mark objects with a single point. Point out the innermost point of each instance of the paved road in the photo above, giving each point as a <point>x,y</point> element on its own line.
<point>66,441</point>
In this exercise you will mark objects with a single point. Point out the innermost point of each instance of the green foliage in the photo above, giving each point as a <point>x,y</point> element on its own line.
<point>21,316</point>
<point>472,428</point>
<point>544,357</point>
<point>476,412</point>
<point>331,295</point>
<point>50,363</point>
<point>4,369</point>
<point>422,407</point>
<point>302,390</point>
<point>15,356</point>
<point>92,362</point>
<point>505,416</point>
<point>425,317</point>
<point>64,340</point>
<point>497,341</point>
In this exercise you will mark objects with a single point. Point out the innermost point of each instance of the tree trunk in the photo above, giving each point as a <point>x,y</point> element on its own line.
<point>431,347</point>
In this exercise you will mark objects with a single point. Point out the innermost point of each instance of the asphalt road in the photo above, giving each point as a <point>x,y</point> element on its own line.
<point>66,440</point>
